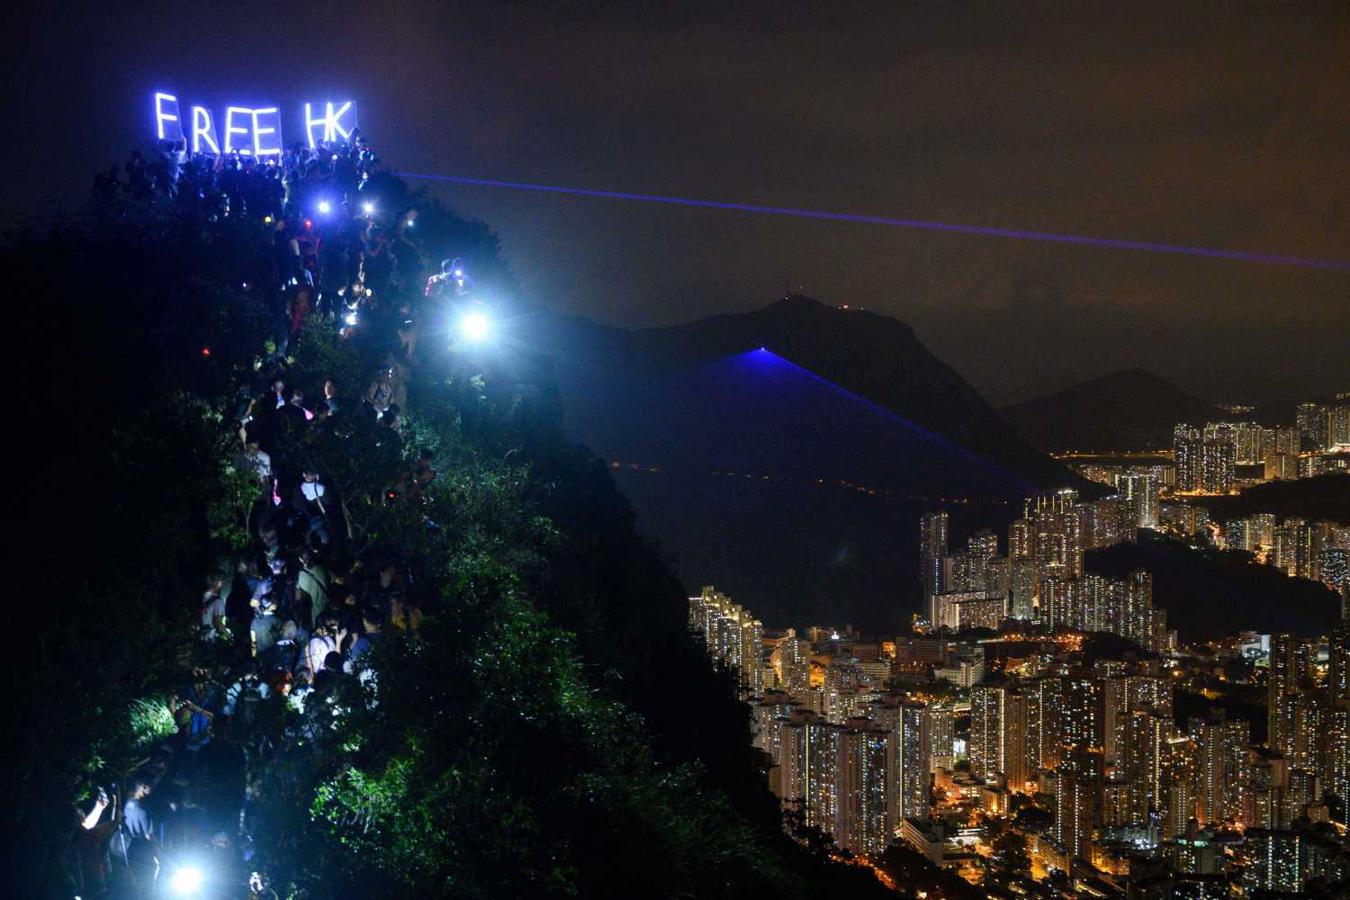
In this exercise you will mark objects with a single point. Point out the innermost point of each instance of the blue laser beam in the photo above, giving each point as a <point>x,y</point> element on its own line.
<point>1279,259</point>
<point>763,354</point>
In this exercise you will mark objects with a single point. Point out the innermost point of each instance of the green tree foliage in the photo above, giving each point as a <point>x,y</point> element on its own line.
<point>549,730</point>
<point>107,520</point>
<point>1010,852</point>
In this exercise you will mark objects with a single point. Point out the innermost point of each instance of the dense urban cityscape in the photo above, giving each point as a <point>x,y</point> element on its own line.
<point>768,450</point>
<point>1005,739</point>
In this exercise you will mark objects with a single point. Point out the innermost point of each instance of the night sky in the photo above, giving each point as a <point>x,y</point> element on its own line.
<point>1226,125</point>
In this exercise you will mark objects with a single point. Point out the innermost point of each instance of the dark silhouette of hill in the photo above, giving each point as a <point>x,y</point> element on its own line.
<point>1128,410</point>
<point>1209,593</point>
<point>1283,413</point>
<point>626,702</point>
<point>787,453</point>
<point>1279,413</point>
<point>1323,497</point>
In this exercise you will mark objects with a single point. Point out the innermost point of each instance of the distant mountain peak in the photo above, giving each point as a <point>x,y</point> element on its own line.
<point>793,476</point>
<point>1130,409</point>
<point>864,354</point>
<point>797,300</point>
<point>843,319</point>
<point>1135,375</point>
<point>1134,372</point>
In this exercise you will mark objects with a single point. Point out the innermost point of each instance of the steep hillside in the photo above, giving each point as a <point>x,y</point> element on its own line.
<point>536,721</point>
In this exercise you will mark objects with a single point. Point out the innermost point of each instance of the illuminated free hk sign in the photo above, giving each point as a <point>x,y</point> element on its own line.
<point>247,130</point>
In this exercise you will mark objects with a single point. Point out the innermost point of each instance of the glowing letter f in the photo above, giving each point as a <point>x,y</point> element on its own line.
<point>166,111</point>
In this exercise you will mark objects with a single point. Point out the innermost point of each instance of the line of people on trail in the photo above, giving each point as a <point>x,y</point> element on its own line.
<point>291,619</point>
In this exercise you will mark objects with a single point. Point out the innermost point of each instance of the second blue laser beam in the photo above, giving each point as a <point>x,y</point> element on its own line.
<point>920,224</point>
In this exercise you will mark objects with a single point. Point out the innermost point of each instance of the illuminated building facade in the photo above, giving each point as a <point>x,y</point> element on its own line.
<point>732,636</point>
<point>1016,710</point>
<point>986,731</point>
<point>940,726</point>
<point>791,661</point>
<point>1021,589</point>
<point>1291,671</point>
<point>1055,527</point>
<point>1077,787</point>
<point>913,742</point>
<point>1218,461</point>
<point>863,764</point>
<point>1188,447</point>
<point>932,552</point>
<point>1313,421</point>
<point>1141,490</point>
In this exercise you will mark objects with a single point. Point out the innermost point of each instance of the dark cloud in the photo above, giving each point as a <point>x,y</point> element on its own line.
<point>1206,123</point>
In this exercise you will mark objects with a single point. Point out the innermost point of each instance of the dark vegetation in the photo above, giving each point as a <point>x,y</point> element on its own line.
<point>1283,412</point>
<point>917,873</point>
<point>551,729</point>
<point>1105,645</point>
<point>1206,591</point>
<point>1245,703</point>
<point>1324,497</point>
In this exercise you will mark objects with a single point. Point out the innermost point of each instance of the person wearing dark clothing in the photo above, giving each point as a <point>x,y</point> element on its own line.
<point>287,252</point>
<point>330,396</point>
<point>310,502</point>
<point>294,411</point>
<point>137,844</point>
<point>311,589</point>
<point>379,263</point>
<point>380,597</point>
<point>193,710</point>
<point>238,606</point>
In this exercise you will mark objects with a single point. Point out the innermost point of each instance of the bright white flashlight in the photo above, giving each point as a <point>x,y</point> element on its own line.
<point>474,326</point>
<point>368,208</point>
<point>325,207</point>
<point>187,880</point>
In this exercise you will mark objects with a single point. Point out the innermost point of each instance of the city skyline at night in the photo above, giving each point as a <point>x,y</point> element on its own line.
<point>752,451</point>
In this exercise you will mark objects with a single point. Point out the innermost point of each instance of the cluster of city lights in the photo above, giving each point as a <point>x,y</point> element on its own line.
<point>845,483</point>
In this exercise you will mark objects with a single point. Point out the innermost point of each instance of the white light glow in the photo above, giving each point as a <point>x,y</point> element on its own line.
<point>163,115</point>
<point>187,880</point>
<point>474,326</point>
<point>231,112</point>
<point>331,122</point>
<point>203,131</point>
<point>259,129</point>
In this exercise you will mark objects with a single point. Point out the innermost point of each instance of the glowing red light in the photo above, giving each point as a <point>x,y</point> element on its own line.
<point>206,351</point>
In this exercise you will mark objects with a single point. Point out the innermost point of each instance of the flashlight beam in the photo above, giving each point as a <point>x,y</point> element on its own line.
<point>1277,259</point>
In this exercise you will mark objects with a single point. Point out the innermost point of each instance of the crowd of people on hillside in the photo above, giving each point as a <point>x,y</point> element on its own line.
<point>243,184</point>
<point>335,249</point>
<point>296,613</point>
